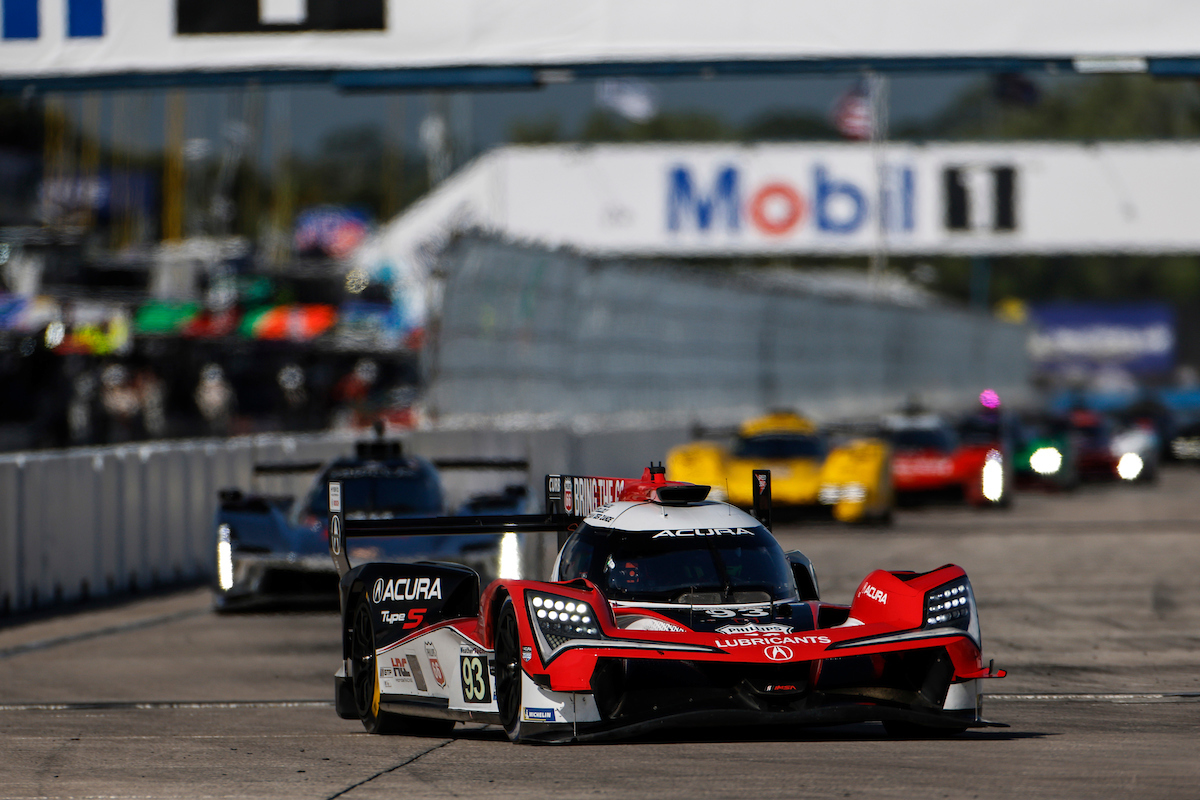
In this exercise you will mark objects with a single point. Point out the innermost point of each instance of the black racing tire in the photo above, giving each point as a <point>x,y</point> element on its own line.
<point>508,670</point>
<point>901,729</point>
<point>881,519</point>
<point>364,675</point>
<point>365,686</point>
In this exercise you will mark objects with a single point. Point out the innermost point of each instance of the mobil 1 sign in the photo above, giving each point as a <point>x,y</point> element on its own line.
<point>831,199</point>
<point>937,198</point>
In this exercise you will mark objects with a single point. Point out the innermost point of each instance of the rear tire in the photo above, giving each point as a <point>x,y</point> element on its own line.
<point>508,670</point>
<point>364,680</point>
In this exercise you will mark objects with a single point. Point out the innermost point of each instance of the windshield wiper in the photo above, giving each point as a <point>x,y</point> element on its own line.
<point>719,563</point>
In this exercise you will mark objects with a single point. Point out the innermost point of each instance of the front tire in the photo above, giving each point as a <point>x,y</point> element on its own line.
<point>508,670</point>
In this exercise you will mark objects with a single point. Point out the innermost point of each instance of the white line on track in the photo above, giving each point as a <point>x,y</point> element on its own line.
<point>151,706</point>
<point>237,705</point>
<point>230,737</point>
<point>1125,697</point>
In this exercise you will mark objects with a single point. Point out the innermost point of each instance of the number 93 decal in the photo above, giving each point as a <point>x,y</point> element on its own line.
<point>476,687</point>
<point>726,613</point>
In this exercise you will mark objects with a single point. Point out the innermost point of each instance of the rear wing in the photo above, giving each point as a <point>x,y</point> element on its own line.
<point>568,500</point>
<point>558,519</point>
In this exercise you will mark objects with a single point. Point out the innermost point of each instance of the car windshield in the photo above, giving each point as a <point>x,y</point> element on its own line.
<point>1094,435</point>
<point>980,430</point>
<point>380,492</point>
<point>1036,429</point>
<point>938,439</point>
<point>780,446</point>
<point>699,566</point>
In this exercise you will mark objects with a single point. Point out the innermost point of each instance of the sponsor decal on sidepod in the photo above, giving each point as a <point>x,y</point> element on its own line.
<point>400,669</point>
<point>406,589</point>
<point>539,715</point>
<point>753,629</point>
<point>434,665</point>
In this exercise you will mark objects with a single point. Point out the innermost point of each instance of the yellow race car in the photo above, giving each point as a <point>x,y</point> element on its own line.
<point>853,479</point>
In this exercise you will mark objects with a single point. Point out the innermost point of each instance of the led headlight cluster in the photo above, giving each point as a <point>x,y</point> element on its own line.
<point>832,493</point>
<point>560,619</point>
<point>949,604</point>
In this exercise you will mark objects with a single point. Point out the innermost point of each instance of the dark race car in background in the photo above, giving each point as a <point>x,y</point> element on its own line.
<point>664,609</point>
<point>1044,455</point>
<point>272,549</point>
<point>1107,452</point>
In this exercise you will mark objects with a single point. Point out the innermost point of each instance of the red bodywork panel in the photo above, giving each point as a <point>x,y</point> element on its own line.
<point>885,604</point>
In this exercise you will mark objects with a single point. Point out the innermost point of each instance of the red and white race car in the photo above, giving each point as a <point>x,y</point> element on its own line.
<point>932,460</point>
<point>663,609</point>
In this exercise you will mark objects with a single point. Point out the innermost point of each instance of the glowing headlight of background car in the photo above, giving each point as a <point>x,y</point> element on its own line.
<point>993,476</point>
<point>950,604</point>
<point>561,619</point>
<point>224,557</point>
<point>1129,466</point>
<point>832,493</point>
<point>1186,447</point>
<point>1046,460</point>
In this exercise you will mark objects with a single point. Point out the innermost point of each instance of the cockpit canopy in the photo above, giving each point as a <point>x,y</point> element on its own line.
<point>698,566</point>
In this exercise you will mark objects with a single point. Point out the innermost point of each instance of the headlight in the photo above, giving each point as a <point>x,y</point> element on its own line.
<point>510,557</point>
<point>1130,466</point>
<point>950,604</point>
<point>993,476</point>
<point>831,493</point>
<point>224,557</point>
<point>558,620</point>
<point>1186,446</point>
<point>1046,460</point>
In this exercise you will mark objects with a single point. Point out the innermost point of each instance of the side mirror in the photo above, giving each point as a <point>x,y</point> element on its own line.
<point>805,575</point>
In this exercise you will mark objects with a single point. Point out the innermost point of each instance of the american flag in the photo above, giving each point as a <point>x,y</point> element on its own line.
<point>852,114</point>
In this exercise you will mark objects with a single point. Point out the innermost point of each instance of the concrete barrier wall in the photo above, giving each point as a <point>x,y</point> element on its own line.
<point>102,522</point>
<point>525,331</point>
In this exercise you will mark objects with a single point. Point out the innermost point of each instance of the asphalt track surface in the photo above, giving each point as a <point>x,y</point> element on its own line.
<point>1091,600</point>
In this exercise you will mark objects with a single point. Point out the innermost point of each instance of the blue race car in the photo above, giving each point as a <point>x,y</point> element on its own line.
<point>275,550</point>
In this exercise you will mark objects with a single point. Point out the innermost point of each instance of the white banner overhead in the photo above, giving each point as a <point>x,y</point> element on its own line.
<point>87,38</point>
<point>717,200</point>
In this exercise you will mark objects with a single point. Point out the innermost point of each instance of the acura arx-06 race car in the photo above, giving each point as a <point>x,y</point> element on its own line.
<point>663,609</point>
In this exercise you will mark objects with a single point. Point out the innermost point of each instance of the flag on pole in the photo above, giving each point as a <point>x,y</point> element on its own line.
<point>632,98</point>
<point>852,113</point>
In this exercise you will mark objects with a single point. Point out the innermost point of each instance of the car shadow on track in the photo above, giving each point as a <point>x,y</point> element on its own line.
<point>864,732</point>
